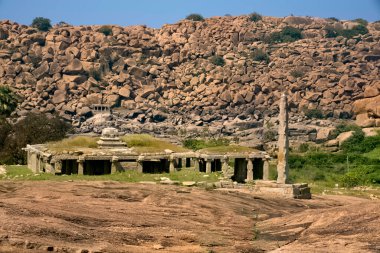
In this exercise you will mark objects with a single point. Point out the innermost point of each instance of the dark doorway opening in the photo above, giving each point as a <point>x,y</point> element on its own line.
<point>202,165</point>
<point>188,162</point>
<point>97,167</point>
<point>240,170</point>
<point>258,168</point>
<point>156,166</point>
<point>69,167</point>
<point>216,165</point>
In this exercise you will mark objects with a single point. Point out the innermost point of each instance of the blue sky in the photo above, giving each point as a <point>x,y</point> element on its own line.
<point>155,13</point>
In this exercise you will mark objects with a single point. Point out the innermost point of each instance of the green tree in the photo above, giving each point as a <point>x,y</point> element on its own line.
<point>42,24</point>
<point>8,100</point>
<point>255,17</point>
<point>195,17</point>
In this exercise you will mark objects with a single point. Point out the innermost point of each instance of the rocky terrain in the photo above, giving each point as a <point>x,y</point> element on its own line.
<point>81,216</point>
<point>165,76</point>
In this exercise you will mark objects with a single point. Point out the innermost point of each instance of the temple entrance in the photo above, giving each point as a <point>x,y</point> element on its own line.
<point>188,162</point>
<point>97,167</point>
<point>216,165</point>
<point>258,168</point>
<point>240,170</point>
<point>156,166</point>
<point>202,165</point>
<point>69,167</point>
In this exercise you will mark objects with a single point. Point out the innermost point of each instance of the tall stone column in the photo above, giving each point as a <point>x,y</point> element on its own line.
<point>249,170</point>
<point>266,169</point>
<point>225,168</point>
<point>208,165</point>
<point>171,165</point>
<point>80,166</point>
<point>283,142</point>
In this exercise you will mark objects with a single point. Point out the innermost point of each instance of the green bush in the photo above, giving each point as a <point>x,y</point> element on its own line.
<point>303,148</point>
<point>260,55</point>
<point>33,129</point>
<point>341,128</point>
<point>360,144</point>
<point>347,33</point>
<point>217,60</point>
<point>361,175</point>
<point>195,17</point>
<point>42,24</point>
<point>314,114</point>
<point>197,144</point>
<point>297,73</point>
<point>288,34</point>
<point>8,100</point>
<point>269,135</point>
<point>255,17</point>
<point>334,19</point>
<point>361,21</point>
<point>106,30</point>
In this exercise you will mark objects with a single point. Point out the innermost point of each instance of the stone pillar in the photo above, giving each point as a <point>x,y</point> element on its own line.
<point>208,165</point>
<point>80,166</point>
<point>171,165</point>
<point>58,166</point>
<point>140,164</point>
<point>114,164</point>
<point>225,167</point>
<point>283,142</point>
<point>266,169</point>
<point>196,164</point>
<point>249,170</point>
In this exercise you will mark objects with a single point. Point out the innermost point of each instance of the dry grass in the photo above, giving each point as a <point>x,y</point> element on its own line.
<point>74,143</point>
<point>227,149</point>
<point>144,143</point>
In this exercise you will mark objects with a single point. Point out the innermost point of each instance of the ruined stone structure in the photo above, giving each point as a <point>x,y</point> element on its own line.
<point>113,155</point>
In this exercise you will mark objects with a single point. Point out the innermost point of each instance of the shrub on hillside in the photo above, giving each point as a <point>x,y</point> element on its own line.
<point>361,21</point>
<point>288,34</point>
<point>42,24</point>
<point>260,55</point>
<point>195,17</point>
<point>217,60</point>
<point>106,30</point>
<point>33,129</point>
<point>197,144</point>
<point>314,114</point>
<point>297,73</point>
<point>8,100</point>
<point>333,19</point>
<point>255,17</point>
<point>332,32</point>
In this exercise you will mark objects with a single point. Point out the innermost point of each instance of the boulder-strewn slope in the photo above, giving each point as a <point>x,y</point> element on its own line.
<point>166,74</point>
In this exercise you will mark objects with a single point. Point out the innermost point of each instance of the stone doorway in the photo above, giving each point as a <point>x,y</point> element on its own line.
<point>156,166</point>
<point>240,170</point>
<point>258,168</point>
<point>97,167</point>
<point>69,167</point>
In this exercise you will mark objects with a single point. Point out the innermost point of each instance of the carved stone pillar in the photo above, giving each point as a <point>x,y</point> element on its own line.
<point>196,164</point>
<point>80,166</point>
<point>225,167</point>
<point>58,166</point>
<point>171,165</point>
<point>208,165</point>
<point>114,164</point>
<point>140,164</point>
<point>249,170</point>
<point>266,169</point>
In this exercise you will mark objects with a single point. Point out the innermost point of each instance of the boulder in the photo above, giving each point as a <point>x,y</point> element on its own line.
<point>74,67</point>
<point>344,136</point>
<point>41,71</point>
<point>125,92</point>
<point>59,96</point>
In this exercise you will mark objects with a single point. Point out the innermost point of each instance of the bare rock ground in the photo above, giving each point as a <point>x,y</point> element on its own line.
<point>120,217</point>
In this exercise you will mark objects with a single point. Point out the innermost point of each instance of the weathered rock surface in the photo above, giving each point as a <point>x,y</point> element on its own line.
<point>166,76</point>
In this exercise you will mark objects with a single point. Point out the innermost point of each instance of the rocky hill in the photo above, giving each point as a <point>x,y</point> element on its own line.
<point>170,78</point>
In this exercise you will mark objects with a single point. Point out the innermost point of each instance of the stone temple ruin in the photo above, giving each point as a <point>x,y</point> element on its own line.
<point>112,155</point>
